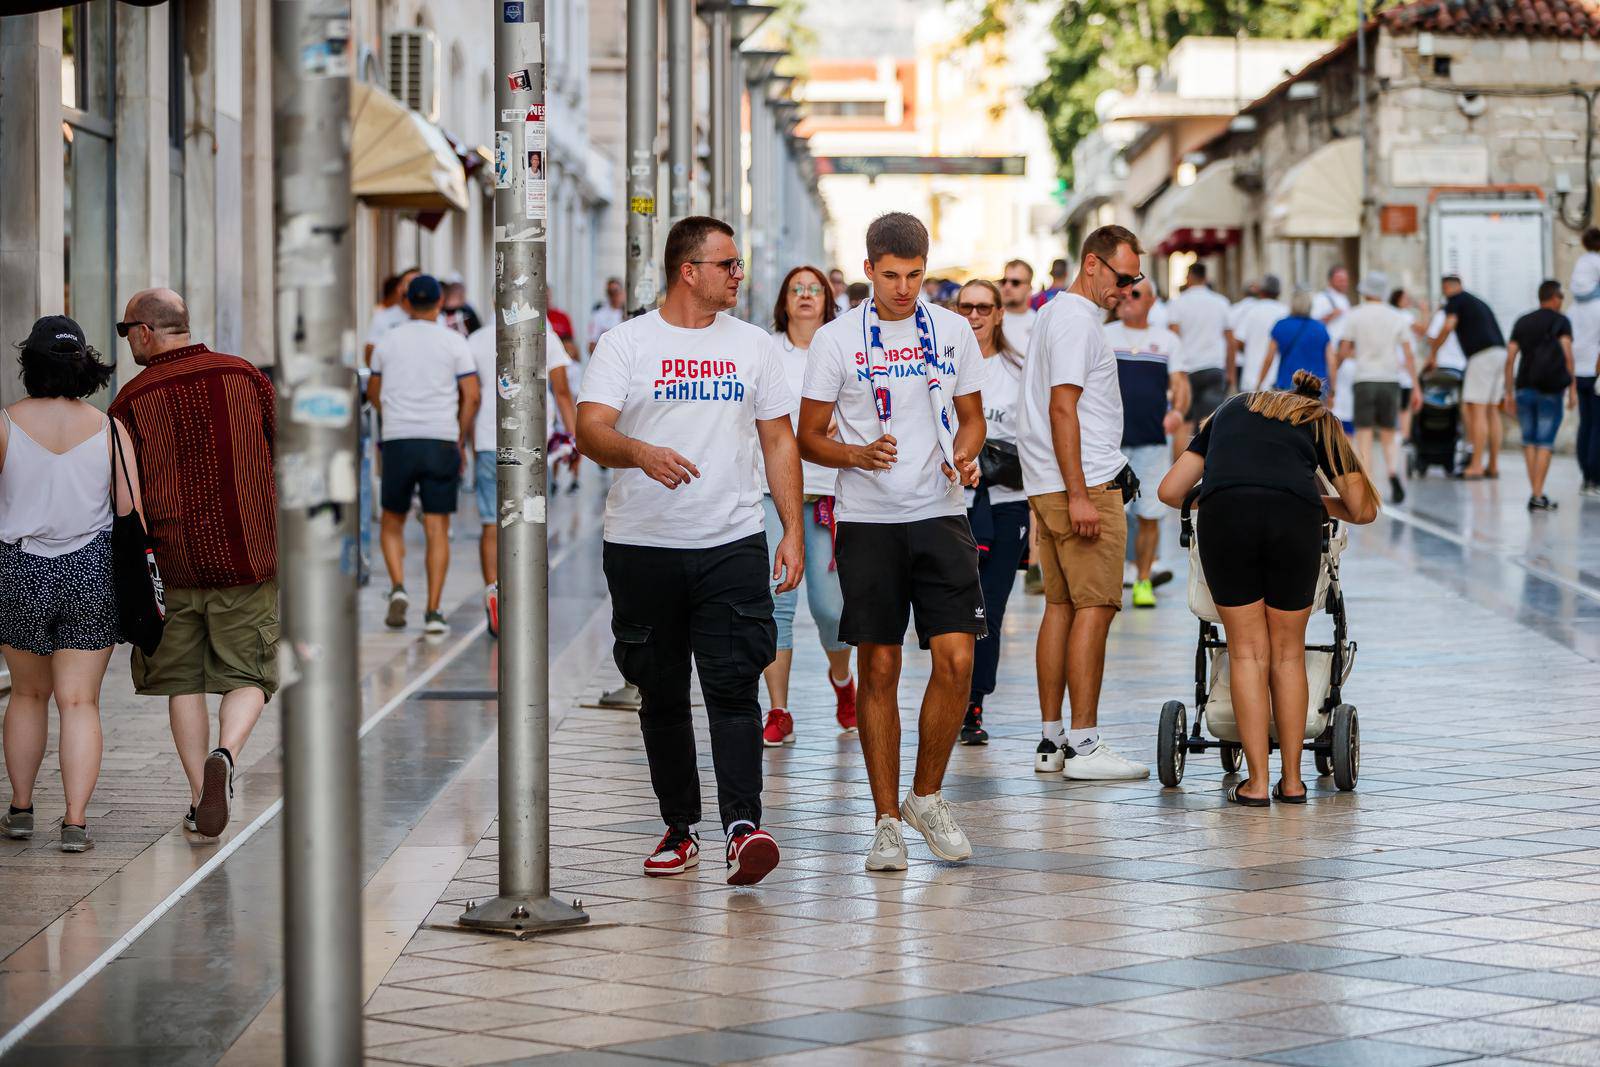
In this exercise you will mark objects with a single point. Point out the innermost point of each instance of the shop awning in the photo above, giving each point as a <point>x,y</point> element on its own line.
<point>1203,216</point>
<point>398,158</point>
<point>1320,196</point>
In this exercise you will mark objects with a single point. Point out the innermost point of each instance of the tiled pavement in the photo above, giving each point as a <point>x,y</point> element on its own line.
<point>1447,911</point>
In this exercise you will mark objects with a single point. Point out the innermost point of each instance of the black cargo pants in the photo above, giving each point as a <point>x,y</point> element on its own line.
<point>714,604</point>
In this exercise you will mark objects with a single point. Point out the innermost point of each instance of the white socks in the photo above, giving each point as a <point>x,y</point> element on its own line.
<point>1055,733</point>
<point>1084,742</point>
<point>840,683</point>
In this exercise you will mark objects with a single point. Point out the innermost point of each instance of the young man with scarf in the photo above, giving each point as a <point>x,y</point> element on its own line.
<point>904,377</point>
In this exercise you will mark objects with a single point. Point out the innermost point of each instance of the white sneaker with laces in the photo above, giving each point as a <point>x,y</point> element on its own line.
<point>932,818</point>
<point>888,852</point>
<point>1102,765</point>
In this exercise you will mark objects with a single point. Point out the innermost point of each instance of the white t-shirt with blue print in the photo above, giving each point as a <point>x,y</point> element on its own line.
<point>698,392</point>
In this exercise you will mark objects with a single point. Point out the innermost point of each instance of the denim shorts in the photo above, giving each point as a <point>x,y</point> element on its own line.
<point>1540,417</point>
<point>483,481</point>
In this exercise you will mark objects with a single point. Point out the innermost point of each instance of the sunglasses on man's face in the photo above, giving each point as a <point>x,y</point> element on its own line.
<point>1013,281</point>
<point>1124,281</point>
<point>124,327</point>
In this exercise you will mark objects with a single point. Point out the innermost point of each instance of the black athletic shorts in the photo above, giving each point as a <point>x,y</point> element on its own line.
<point>889,571</point>
<point>413,465</point>
<point>1260,544</point>
<point>1207,390</point>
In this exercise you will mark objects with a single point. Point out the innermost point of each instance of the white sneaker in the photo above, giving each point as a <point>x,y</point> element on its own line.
<point>1049,757</point>
<point>1130,574</point>
<point>888,852</point>
<point>932,818</point>
<point>1102,765</point>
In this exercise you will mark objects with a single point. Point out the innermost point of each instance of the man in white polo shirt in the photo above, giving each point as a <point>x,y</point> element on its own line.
<point>677,401</point>
<point>425,387</point>
<point>1199,316</point>
<point>903,376</point>
<point>1074,473</point>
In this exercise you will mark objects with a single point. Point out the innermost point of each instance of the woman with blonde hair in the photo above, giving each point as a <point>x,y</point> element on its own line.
<point>998,508</point>
<point>1260,455</point>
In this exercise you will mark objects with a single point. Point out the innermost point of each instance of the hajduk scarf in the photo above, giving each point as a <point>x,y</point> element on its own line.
<point>878,372</point>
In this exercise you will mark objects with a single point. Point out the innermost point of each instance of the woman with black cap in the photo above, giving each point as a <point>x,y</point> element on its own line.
<point>58,608</point>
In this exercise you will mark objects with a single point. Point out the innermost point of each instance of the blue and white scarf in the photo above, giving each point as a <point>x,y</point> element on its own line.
<point>878,372</point>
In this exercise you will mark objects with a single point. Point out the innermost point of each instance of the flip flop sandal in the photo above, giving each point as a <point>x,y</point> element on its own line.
<point>1236,797</point>
<point>1287,798</point>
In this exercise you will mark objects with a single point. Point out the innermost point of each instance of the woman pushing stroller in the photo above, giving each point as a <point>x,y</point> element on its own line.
<point>1259,456</point>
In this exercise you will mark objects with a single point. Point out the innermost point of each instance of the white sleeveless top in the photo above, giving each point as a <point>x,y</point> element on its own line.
<point>52,504</point>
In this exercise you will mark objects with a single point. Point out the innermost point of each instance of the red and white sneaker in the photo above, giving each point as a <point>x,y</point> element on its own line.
<point>751,857</point>
<point>491,608</point>
<point>845,695</point>
<point>677,852</point>
<point>779,730</point>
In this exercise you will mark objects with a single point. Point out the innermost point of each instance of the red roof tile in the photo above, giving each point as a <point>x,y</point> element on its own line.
<point>1496,18</point>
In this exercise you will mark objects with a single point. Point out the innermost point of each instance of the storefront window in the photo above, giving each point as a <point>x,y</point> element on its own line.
<point>89,245</point>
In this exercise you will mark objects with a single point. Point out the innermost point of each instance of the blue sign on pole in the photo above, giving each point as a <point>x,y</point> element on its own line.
<point>512,11</point>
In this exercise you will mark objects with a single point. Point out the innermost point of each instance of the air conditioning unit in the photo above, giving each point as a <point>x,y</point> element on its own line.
<point>413,65</point>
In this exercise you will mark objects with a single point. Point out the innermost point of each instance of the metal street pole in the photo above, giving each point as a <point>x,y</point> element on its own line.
<point>680,108</point>
<point>719,22</point>
<point>1361,99</point>
<point>643,88</point>
<point>521,214</point>
<point>318,501</point>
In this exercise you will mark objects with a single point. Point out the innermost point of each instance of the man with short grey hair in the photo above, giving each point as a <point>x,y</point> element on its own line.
<point>1254,332</point>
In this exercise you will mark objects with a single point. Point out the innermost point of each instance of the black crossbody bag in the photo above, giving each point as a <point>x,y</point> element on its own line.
<point>1000,464</point>
<point>141,598</point>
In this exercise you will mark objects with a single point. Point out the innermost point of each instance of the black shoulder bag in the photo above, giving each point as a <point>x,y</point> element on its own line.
<point>141,598</point>
<point>1000,464</point>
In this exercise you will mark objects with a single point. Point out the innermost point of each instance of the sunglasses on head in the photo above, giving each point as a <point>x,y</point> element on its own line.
<point>1124,281</point>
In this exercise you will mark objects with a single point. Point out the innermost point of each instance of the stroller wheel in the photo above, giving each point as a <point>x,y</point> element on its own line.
<point>1170,749</point>
<point>1346,747</point>
<point>1232,758</point>
<point>1324,763</point>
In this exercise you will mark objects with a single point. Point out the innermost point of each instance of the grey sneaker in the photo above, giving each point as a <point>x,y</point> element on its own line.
<point>216,795</point>
<point>17,825</point>
<point>625,695</point>
<point>888,852</point>
<point>75,838</point>
<point>395,619</point>
<point>932,818</point>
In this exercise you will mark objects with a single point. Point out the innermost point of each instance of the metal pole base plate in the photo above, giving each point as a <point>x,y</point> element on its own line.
<point>523,915</point>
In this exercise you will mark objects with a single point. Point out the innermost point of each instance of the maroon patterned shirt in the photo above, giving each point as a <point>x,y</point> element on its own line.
<point>202,425</point>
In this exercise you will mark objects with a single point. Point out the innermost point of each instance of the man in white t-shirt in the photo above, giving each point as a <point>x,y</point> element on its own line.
<point>1331,307</point>
<point>1232,334</point>
<point>1016,284</point>
<point>1072,467</point>
<point>558,399</point>
<point>677,401</point>
<point>840,291</point>
<point>1199,316</point>
<point>1372,334</point>
<point>607,315</point>
<point>392,309</point>
<point>425,387</point>
<point>1254,332</point>
<point>902,378</point>
<point>1585,316</point>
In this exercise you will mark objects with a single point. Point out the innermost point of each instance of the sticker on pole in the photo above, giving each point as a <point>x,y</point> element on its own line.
<point>642,205</point>
<point>534,143</point>
<point>512,11</point>
<point>321,405</point>
<point>502,159</point>
<point>521,81</point>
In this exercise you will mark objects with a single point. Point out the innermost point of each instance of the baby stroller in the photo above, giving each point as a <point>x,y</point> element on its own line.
<point>1436,429</point>
<point>1333,731</point>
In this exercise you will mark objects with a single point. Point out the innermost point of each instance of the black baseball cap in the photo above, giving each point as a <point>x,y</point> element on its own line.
<point>424,291</point>
<point>56,334</point>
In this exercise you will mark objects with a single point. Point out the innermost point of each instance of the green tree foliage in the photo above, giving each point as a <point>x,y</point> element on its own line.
<point>1097,45</point>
